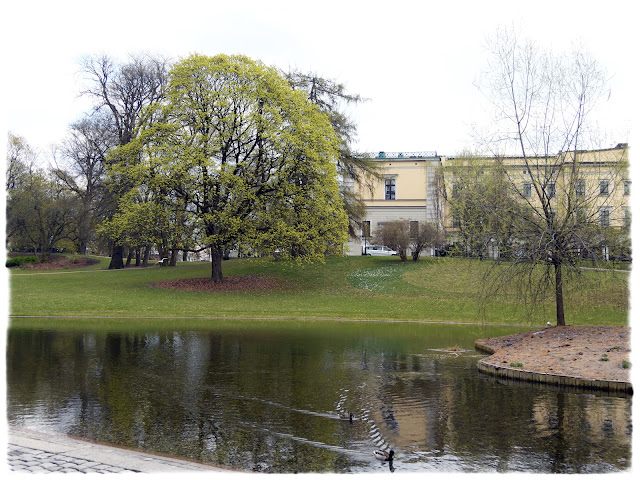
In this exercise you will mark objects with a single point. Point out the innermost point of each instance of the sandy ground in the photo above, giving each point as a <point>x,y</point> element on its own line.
<point>598,353</point>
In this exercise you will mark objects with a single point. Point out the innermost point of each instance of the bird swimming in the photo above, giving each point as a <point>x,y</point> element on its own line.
<point>384,456</point>
<point>346,416</point>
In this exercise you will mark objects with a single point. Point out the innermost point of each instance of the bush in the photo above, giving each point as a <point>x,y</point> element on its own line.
<point>18,261</point>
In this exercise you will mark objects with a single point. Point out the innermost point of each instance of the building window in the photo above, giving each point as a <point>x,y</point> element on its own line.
<point>366,228</point>
<point>455,221</point>
<point>627,187</point>
<point>550,190</point>
<point>580,188</point>
<point>390,189</point>
<point>605,217</point>
<point>604,188</point>
<point>526,190</point>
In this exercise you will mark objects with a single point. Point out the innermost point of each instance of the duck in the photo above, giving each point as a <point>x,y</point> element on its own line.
<point>384,456</point>
<point>346,416</point>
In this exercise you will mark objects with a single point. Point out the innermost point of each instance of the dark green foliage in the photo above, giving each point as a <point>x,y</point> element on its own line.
<point>19,261</point>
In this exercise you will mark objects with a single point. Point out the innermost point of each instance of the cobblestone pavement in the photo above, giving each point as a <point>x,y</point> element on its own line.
<point>34,452</point>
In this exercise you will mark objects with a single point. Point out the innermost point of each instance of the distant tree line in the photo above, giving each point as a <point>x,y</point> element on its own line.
<point>214,153</point>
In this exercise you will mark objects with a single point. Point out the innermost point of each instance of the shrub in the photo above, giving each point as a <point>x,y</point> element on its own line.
<point>18,261</point>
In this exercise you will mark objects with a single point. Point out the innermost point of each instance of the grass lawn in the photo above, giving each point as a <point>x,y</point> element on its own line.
<point>358,288</point>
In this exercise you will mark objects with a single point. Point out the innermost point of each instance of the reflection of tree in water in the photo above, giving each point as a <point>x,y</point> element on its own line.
<point>261,402</point>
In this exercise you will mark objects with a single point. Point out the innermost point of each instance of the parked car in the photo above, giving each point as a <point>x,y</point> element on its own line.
<point>379,250</point>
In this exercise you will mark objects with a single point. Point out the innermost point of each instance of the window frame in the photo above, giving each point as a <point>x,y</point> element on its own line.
<point>604,188</point>
<point>550,190</point>
<point>390,186</point>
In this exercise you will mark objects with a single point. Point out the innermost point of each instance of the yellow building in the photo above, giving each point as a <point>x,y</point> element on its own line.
<point>415,186</point>
<point>406,192</point>
<point>598,183</point>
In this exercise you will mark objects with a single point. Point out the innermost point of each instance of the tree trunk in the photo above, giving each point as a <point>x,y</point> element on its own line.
<point>130,256</point>
<point>137,256</point>
<point>147,254</point>
<point>559,295</point>
<point>117,257</point>
<point>216,264</point>
<point>174,258</point>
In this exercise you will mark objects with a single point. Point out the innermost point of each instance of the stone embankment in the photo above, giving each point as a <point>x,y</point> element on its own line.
<point>583,357</point>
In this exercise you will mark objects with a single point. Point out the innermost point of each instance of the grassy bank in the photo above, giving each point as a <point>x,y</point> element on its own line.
<point>360,288</point>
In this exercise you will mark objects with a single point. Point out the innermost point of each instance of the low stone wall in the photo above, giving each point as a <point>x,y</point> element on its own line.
<point>513,373</point>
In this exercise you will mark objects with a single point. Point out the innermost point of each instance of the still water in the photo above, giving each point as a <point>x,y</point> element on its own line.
<point>265,396</point>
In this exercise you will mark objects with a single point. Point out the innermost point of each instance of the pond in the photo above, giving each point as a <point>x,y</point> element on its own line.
<point>266,396</point>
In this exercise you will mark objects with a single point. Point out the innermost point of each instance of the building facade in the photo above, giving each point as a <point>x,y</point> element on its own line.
<point>415,186</point>
<point>406,192</point>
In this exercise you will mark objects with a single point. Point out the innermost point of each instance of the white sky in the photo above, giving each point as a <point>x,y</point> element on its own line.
<point>415,61</point>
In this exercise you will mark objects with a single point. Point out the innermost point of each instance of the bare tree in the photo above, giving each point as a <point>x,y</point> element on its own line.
<point>423,235</point>
<point>124,90</point>
<point>394,235</point>
<point>542,103</point>
<point>82,169</point>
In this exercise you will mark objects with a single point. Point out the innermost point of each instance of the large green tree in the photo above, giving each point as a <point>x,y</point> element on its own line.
<point>246,159</point>
<point>123,90</point>
<point>353,167</point>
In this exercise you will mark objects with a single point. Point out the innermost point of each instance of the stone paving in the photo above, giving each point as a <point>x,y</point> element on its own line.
<point>35,452</point>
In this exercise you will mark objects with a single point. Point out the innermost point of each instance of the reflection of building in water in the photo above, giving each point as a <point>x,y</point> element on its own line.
<point>556,412</point>
<point>422,408</point>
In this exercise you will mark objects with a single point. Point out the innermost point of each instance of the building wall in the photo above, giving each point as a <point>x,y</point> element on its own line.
<point>414,174</point>
<point>593,167</point>
<point>417,177</point>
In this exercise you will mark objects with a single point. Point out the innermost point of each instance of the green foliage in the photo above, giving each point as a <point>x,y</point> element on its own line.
<point>19,261</point>
<point>482,207</point>
<point>39,212</point>
<point>358,167</point>
<point>236,158</point>
<point>515,365</point>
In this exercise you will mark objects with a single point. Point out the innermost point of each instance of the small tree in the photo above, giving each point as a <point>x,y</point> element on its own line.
<point>394,235</point>
<point>39,213</point>
<point>542,102</point>
<point>423,235</point>
<point>483,212</point>
<point>406,236</point>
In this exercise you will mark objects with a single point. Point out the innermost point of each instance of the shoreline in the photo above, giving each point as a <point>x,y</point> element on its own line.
<point>590,358</point>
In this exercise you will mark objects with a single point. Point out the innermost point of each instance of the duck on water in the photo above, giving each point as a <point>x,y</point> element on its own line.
<point>384,456</point>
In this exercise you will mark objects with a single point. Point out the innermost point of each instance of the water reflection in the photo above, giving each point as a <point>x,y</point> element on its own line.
<point>269,397</point>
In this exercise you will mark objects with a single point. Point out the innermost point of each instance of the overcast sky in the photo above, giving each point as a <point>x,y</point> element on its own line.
<point>415,61</point>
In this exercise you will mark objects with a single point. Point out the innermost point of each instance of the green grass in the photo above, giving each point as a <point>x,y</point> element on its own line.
<point>357,288</point>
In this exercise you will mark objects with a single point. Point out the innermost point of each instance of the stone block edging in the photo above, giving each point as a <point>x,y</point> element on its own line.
<point>513,373</point>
